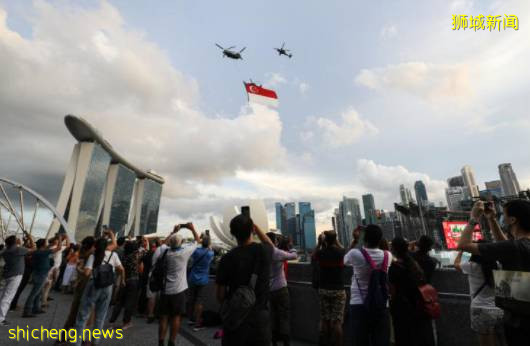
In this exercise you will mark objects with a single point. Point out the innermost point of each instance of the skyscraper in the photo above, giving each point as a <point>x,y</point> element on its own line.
<point>369,208</point>
<point>455,195</point>
<point>493,188</point>
<point>406,195</point>
<point>456,181</point>
<point>290,210</point>
<point>469,180</point>
<point>421,193</point>
<point>351,217</point>
<point>308,230</point>
<point>510,185</point>
<point>279,208</point>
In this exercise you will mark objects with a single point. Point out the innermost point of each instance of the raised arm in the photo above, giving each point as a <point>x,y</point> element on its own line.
<point>262,236</point>
<point>191,227</point>
<point>458,261</point>
<point>466,238</point>
<point>281,255</point>
<point>113,243</point>
<point>491,217</point>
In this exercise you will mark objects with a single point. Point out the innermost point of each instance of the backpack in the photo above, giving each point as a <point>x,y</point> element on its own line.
<point>104,274</point>
<point>236,309</point>
<point>428,304</point>
<point>376,299</point>
<point>158,275</point>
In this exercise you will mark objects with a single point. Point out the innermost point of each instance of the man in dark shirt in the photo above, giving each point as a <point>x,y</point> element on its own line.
<point>426,262</point>
<point>14,268</point>
<point>236,269</point>
<point>331,289</point>
<point>513,254</point>
<point>40,262</point>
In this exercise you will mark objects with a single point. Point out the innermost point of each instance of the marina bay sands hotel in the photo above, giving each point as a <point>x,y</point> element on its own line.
<point>102,188</point>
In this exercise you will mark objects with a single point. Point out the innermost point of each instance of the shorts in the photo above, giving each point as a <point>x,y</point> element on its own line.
<point>486,320</point>
<point>197,294</point>
<point>148,293</point>
<point>172,304</point>
<point>332,304</point>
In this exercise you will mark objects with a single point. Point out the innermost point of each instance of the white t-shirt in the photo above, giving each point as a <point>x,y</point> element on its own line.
<point>58,257</point>
<point>486,297</point>
<point>177,265</point>
<point>361,271</point>
<point>159,251</point>
<point>111,257</point>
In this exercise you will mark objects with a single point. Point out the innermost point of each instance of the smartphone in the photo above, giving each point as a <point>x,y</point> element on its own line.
<point>245,210</point>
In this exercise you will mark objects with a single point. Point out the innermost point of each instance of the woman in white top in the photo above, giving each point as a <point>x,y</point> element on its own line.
<point>486,318</point>
<point>97,293</point>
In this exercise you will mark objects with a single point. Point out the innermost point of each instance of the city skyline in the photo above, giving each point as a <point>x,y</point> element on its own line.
<point>154,83</point>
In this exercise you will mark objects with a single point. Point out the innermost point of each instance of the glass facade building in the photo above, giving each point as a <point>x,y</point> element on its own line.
<point>92,198</point>
<point>369,209</point>
<point>150,206</point>
<point>121,199</point>
<point>309,230</point>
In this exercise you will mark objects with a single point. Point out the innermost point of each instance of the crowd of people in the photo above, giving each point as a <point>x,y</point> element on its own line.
<point>391,297</point>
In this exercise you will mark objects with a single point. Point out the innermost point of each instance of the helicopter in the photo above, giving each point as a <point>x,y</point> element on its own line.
<point>230,53</point>
<point>283,51</point>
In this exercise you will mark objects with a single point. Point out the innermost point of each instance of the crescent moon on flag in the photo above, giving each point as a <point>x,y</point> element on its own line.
<point>252,88</point>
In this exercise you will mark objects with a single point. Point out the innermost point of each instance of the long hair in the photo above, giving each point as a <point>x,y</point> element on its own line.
<point>99,253</point>
<point>400,248</point>
<point>487,267</point>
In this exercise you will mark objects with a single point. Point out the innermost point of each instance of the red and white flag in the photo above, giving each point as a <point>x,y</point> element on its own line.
<point>258,94</point>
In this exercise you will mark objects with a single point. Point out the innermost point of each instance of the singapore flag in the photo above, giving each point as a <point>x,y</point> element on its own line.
<point>258,94</point>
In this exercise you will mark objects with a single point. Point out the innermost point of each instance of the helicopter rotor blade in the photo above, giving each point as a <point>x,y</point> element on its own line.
<point>283,45</point>
<point>241,51</point>
<point>219,46</point>
<point>231,47</point>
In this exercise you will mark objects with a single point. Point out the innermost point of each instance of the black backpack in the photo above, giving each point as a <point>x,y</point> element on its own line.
<point>376,299</point>
<point>104,274</point>
<point>238,306</point>
<point>158,275</point>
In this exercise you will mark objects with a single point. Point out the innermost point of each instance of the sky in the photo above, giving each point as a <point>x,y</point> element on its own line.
<point>377,94</point>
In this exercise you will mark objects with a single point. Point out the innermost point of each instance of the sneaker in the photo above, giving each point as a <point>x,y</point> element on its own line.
<point>191,322</point>
<point>4,323</point>
<point>27,315</point>
<point>150,319</point>
<point>39,312</point>
<point>198,327</point>
<point>50,299</point>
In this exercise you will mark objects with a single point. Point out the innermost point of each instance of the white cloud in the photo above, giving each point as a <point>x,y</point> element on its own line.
<point>388,31</point>
<point>385,180</point>
<point>351,128</point>
<point>434,83</point>
<point>275,79</point>
<point>303,88</point>
<point>127,87</point>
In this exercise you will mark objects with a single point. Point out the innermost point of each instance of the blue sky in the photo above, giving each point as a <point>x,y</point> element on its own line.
<point>377,94</point>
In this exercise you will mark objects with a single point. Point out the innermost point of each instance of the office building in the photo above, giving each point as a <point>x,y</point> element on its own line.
<point>455,195</point>
<point>421,193</point>
<point>510,184</point>
<point>278,211</point>
<point>308,230</point>
<point>369,209</point>
<point>469,181</point>
<point>493,188</point>
<point>457,181</point>
<point>406,195</point>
